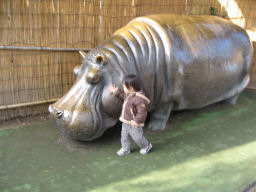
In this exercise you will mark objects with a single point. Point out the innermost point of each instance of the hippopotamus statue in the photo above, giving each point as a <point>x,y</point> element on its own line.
<point>184,62</point>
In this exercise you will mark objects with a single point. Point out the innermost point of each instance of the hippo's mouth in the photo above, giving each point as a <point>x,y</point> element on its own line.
<point>81,119</point>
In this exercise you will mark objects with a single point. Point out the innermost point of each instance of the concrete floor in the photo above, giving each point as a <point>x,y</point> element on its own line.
<point>212,149</point>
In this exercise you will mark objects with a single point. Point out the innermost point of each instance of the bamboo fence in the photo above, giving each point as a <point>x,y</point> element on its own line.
<point>39,40</point>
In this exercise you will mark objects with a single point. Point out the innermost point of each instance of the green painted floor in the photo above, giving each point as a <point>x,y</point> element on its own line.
<point>212,149</point>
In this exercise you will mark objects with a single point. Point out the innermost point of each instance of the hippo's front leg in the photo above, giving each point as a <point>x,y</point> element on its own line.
<point>159,117</point>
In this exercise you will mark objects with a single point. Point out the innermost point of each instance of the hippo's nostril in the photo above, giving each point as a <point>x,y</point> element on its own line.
<point>59,114</point>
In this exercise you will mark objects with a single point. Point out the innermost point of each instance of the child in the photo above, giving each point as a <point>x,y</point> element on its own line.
<point>133,116</point>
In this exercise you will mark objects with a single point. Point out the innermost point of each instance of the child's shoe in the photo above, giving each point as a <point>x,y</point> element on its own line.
<point>146,150</point>
<point>123,152</point>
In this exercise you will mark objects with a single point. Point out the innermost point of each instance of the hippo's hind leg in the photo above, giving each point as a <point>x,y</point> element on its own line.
<point>159,117</point>
<point>234,93</point>
<point>232,100</point>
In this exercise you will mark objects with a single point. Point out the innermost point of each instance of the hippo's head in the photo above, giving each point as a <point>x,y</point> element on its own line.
<point>88,108</point>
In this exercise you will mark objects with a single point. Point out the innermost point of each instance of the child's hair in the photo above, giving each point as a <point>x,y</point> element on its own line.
<point>132,81</point>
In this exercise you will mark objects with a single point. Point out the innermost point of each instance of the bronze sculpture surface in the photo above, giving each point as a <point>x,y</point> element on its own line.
<point>184,62</point>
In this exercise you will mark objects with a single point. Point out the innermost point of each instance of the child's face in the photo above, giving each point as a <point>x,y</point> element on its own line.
<point>127,90</point>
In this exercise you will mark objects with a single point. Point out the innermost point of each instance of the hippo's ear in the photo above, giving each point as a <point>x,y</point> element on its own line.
<point>100,60</point>
<point>82,53</point>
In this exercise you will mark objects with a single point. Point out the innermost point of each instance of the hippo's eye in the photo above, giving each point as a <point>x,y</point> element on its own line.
<point>100,60</point>
<point>76,70</point>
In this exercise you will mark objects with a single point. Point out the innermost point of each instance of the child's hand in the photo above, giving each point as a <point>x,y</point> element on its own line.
<point>112,88</point>
<point>133,124</point>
